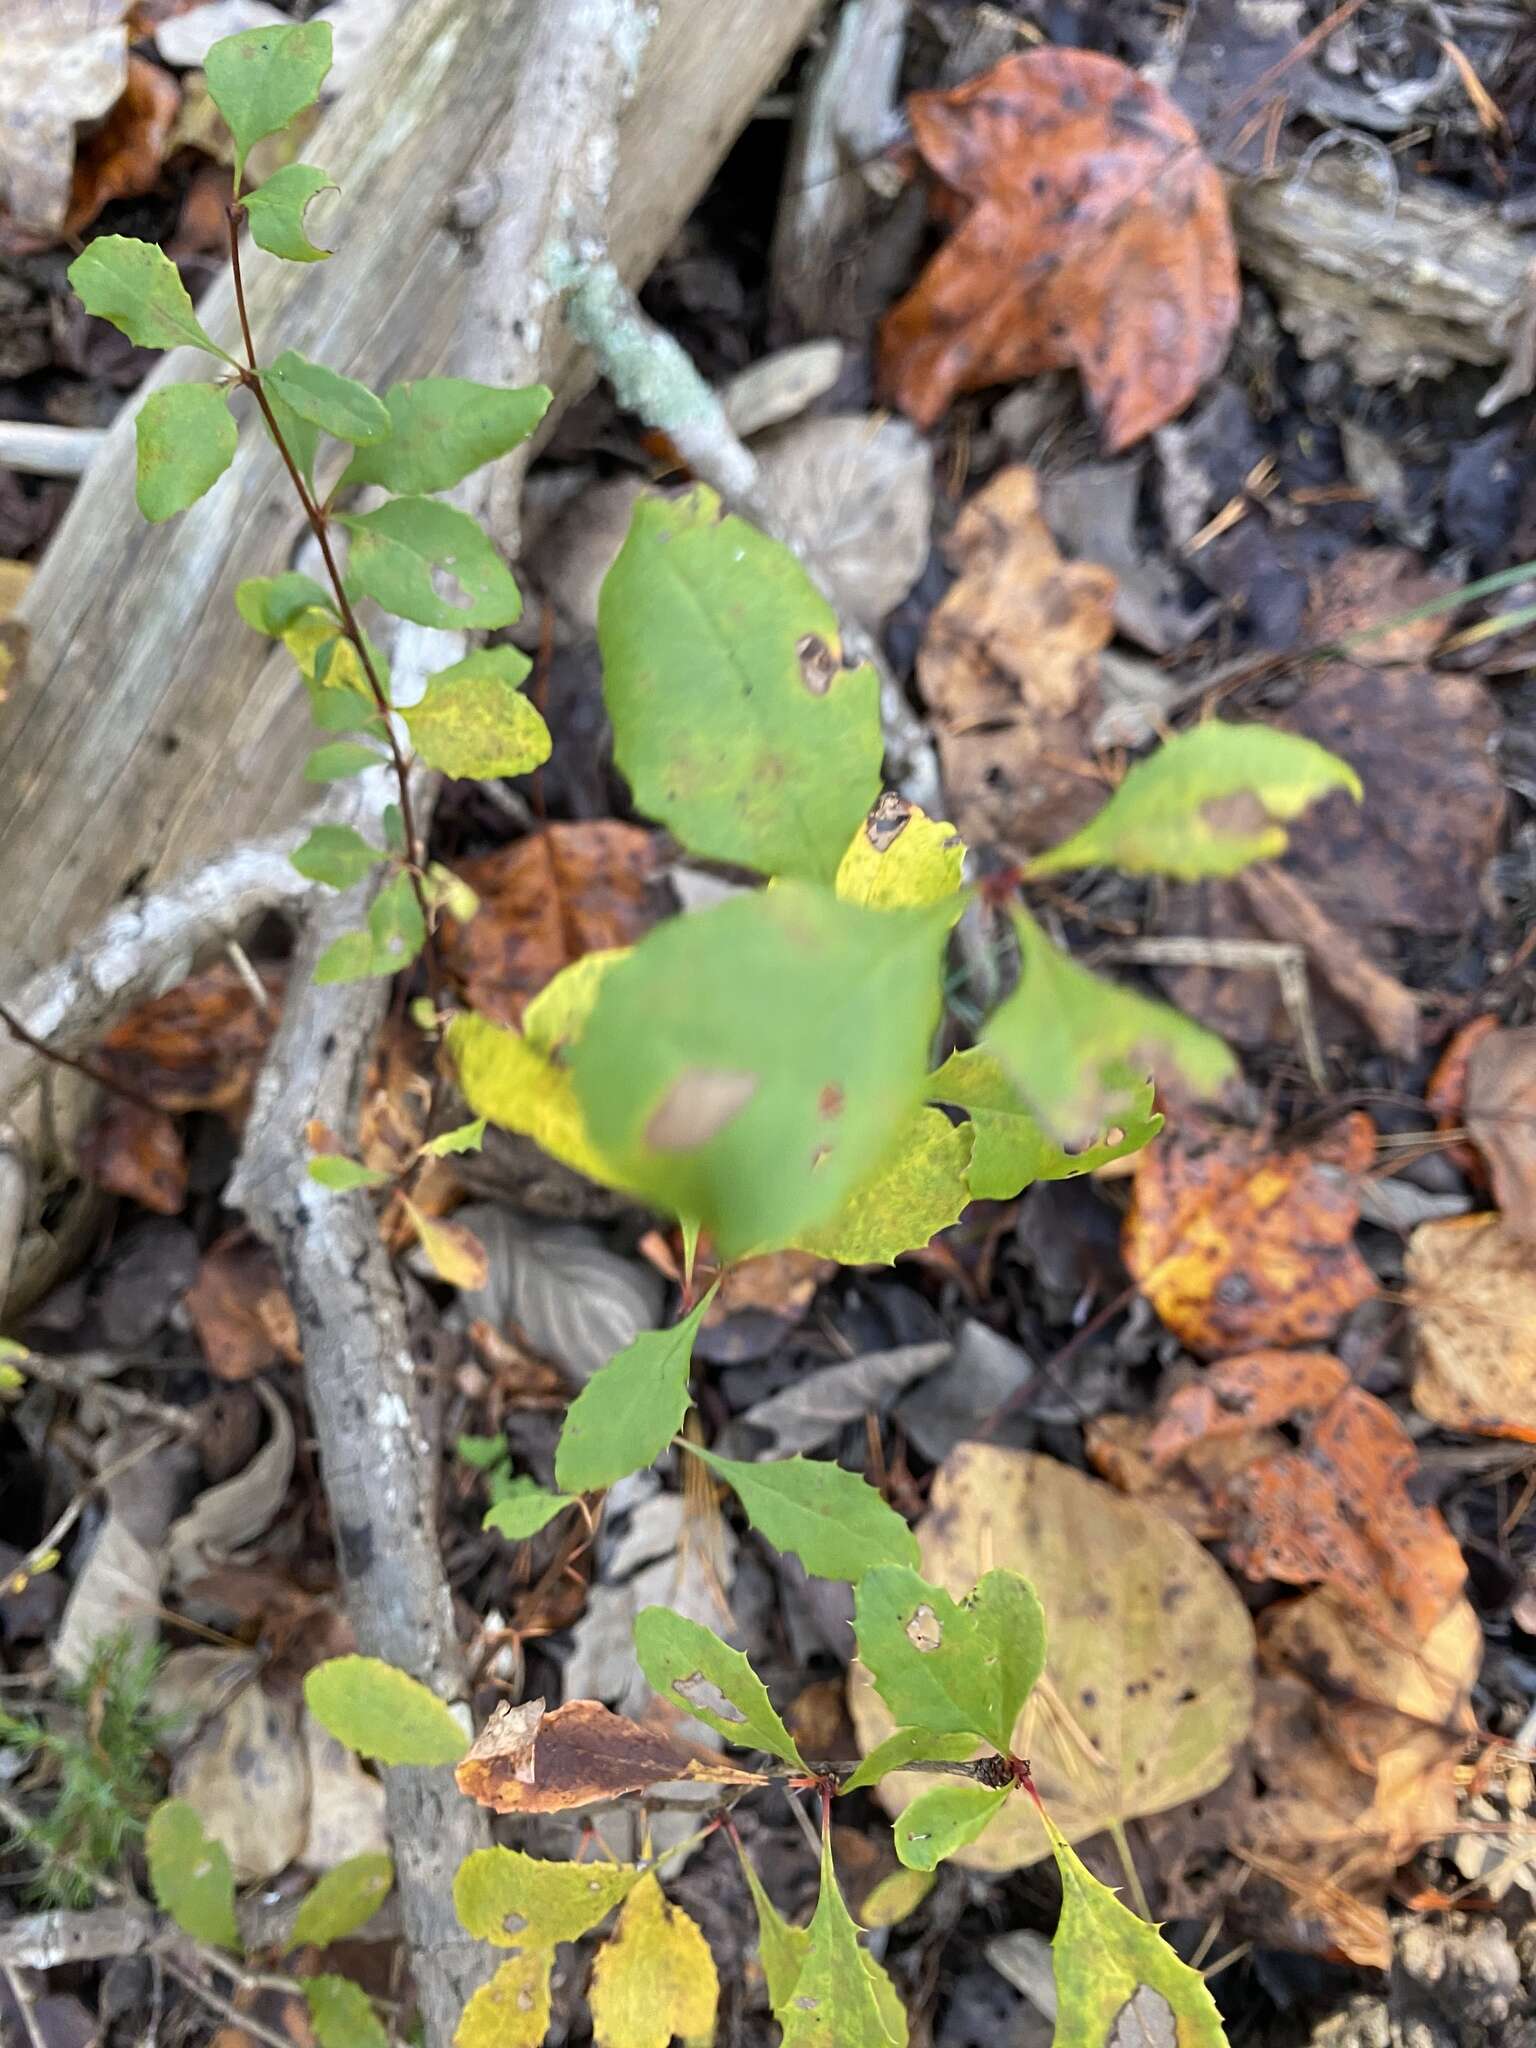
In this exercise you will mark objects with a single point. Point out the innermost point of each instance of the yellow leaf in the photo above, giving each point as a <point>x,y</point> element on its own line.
<point>920,1189</point>
<point>558,1014</point>
<point>505,1079</point>
<point>455,1252</point>
<point>307,634</point>
<point>512,2011</point>
<point>655,1978</point>
<point>901,859</point>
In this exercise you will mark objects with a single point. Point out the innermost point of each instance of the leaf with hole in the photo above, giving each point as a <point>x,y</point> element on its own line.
<point>831,1519</point>
<point>630,1409</point>
<point>383,1713</point>
<point>337,405</point>
<point>1010,1149</point>
<point>512,2010</point>
<point>1208,803</point>
<point>900,859</point>
<point>1079,1049</point>
<point>443,428</point>
<point>1118,1984</point>
<point>522,1508</point>
<point>190,1874</point>
<point>734,719</point>
<point>276,209</point>
<point>337,855</point>
<point>943,1819</point>
<point>654,1978</point>
<point>186,440</point>
<point>400,550</point>
<point>501,1895</point>
<point>691,1668</point>
<point>345,1898</point>
<point>341,2014</point>
<point>260,79</point>
<point>139,289</point>
<point>473,719</point>
<point>963,1666</point>
<point>746,1065</point>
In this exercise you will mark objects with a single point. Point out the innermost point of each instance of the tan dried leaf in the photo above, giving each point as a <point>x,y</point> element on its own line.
<point>584,1754</point>
<point>1472,1284</point>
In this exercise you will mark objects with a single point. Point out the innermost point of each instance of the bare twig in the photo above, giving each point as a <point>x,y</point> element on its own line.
<point>1288,964</point>
<point>21,1998</point>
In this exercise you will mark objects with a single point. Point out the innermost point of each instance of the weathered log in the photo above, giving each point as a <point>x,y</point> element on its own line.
<point>151,729</point>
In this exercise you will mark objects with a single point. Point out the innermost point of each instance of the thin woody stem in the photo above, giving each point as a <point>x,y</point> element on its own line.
<point>251,377</point>
<point>88,1069</point>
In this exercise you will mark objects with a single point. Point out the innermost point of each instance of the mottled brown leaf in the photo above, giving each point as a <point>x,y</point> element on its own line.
<point>1097,237</point>
<point>1472,1285</point>
<point>138,1153</point>
<point>583,1754</point>
<point>243,1318</point>
<point>198,1046</point>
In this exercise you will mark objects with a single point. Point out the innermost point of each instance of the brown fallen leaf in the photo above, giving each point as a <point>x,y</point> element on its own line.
<point>1238,1245</point>
<point>1337,1512</point>
<point>122,158</point>
<point>65,61</point>
<point>1097,238</point>
<point>243,1318</point>
<point>1193,1488</point>
<point>1445,1095</point>
<point>1366,591</point>
<point>780,1284</point>
<point>583,1754</point>
<point>136,1152</point>
<point>1009,668</point>
<point>1472,1286</point>
<point>544,902</point>
<point>197,1047</point>
<point>503,1750</point>
<point>1500,1115</point>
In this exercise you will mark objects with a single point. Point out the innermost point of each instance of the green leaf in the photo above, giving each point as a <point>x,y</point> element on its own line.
<point>746,1065</point>
<point>690,1667</point>
<point>501,1895</point>
<point>396,548</point>
<point>186,440</point>
<point>138,288</point>
<point>900,859</point>
<point>965,1668</point>
<point>336,855</point>
<point>349,958</point>
<point>337,405</point>
<point>918,1190</point>
<point>1207,803</point>
<point>473,719</point>
<point>190,1875</point>
<point>340,2011</point>
<point>260,79</point>
<point>334,1170</point>
<point>344,1899</point>
<point>522,1508</point>
<point>630,1409</point>
<point>290,430</point>
<point>442,428</point>
<point>483,1452</point>
<point>835,2003</point>
<point>276,211</point>
<point>733,719</point>
<point>831,1519</point>
<point>462,1138</point>
<point>1117,1983</point>
<point>906,1747</point>
<point>895,1897</point>
<point>340,759</point>
<point>395,925</point>
<point>383,1713</point>
<point>272,604</point>
<point>1080,1048</point>
<point>781,1949</point>
<point>1010,1148</point>
<point>943,1819</point>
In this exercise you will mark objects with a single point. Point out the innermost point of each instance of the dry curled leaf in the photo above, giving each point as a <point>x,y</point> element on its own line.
<point>122,158</point>
<point>1339,1511</point>
<point>584,1754</point>
<point>502,1752</point>
<point>1009,667</point>
<point>1500,1114</point>
<point>197,1047</point>
<point>243,1318</point>
<point>1472,1285</point>
<point>1237,1245</point>
<point>1097,238</point>
<point>545,901</point>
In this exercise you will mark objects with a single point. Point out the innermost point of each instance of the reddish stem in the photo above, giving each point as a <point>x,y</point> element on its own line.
<point>86,1068</point>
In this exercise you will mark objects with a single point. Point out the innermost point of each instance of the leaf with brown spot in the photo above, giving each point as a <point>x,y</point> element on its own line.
<point>584,1754</point>
<point>138,1153</point>
<point>1009,668</point>
<point>243,1318</point>
<point>1097,238</point>
<point>1472,1285</point>
<point>545,901</point>
<point>199,1046</point>
<point>1237,1245</point>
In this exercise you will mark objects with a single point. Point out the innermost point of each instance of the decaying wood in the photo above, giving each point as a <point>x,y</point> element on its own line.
<point>152,730</point>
